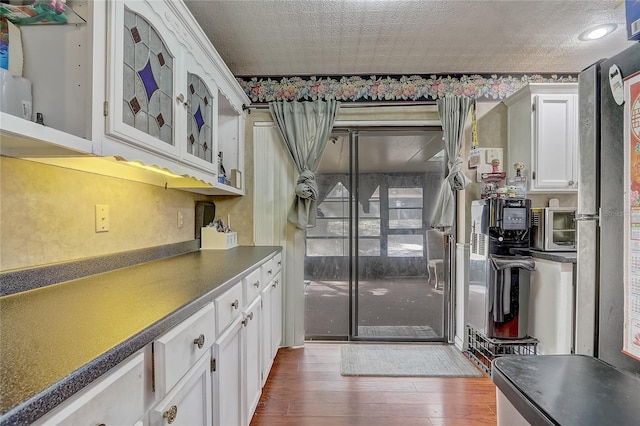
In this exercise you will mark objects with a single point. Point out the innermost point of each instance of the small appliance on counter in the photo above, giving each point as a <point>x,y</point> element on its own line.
<point>498,298</point>
<point>553,229</point>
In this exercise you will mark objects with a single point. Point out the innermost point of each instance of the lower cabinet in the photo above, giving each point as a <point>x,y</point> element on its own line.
<point>551,307</point>
<point>271,327</point>
<point>252,360</point>
<point>189,402</point>
<point>207,370</point>
<point>117,398</point>
<point>227,376</point>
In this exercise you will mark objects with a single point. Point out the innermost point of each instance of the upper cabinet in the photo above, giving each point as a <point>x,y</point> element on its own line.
<point>147,88</point>
<point>56,81</point>
<point>543,134</point>
<point>169,94</point>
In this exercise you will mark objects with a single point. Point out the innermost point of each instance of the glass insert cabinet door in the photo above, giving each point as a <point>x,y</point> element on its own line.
<point>148,72</point>
<point>160,99</point>
<point>199,119</point>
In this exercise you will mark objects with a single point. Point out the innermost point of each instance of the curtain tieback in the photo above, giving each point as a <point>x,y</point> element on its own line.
<point>456,178</point>
<point>306,186</point>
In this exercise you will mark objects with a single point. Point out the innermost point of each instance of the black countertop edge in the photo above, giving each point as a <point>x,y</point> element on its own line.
<point>39,404</point>
<point>555,256</point>
<point>571,389</point>
<point>522,404</point>
<point>12,282</point>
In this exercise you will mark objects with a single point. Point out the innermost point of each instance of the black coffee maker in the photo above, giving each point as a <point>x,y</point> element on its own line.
<point>506,222</point>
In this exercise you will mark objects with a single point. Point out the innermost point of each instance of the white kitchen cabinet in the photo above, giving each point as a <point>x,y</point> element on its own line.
<point>189,401</point>
<point>161,97</point>
<point>58,62</point>
<point>177,351</point>
<point>140,82</point>
<point>229,307</point>
<point>551,306</point>
<point>276,315</point>
<point>271,312</point>
<point>271,323</point>
<point>253,283</point>
<point>117,398</point>
<point>227,376</point>
<point>252,361</point>
<point>543,134</point>
<point>266,332</point>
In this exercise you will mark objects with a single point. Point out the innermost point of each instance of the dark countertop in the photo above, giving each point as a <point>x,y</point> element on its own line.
<point>568,390</point>
<point>57,339</point>
<point>555,256</point>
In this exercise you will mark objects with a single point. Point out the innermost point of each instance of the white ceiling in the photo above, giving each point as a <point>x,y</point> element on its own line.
<point>364,37</point>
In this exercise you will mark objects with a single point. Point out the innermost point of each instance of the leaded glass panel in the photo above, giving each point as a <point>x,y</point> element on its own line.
<point>147,79</point>
<point>200,123</point>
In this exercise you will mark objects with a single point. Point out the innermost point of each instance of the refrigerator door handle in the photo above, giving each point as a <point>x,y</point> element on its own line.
<point>585,217</point>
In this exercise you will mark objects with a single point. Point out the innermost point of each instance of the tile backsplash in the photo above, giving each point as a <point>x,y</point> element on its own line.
<point>47,214</point>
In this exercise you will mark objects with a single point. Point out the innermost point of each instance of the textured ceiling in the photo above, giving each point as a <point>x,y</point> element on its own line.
<point>363,37</point>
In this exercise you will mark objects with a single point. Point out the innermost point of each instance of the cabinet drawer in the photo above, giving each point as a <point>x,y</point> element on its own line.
<point>180,348</point>
<point>253,285</point>
<point>271,267</point>
<point>228,307</point>
<point>116,398</point>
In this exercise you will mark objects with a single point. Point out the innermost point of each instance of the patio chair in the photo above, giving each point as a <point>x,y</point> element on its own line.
<point>435,258</point>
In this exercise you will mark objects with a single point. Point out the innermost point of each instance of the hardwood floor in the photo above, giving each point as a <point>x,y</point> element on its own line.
<point>305,388</point>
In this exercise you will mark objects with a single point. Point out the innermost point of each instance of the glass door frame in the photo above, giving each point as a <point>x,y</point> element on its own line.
<point>448,310</point>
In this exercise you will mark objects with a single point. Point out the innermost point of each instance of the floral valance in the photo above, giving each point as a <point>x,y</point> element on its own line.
<point>399,88</point>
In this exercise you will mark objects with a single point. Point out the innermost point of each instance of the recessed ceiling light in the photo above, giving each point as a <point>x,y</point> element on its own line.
<point>597,32</point>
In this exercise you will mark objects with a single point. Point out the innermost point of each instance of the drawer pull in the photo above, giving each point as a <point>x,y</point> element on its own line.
<point>235,304</point>
<point>256,284</point>
<point>270,271</point>
<point>170,414</point>
<point>279,263</point>
<point>275,283</point>
<point>199,341</point>
<point>247,319</point>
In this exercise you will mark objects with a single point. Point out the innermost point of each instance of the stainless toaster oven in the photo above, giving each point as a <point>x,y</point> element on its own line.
<point>553,228</point>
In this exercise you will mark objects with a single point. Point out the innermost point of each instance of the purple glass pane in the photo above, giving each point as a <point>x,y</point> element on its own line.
<point>199,120</point>
<point>148,80</point>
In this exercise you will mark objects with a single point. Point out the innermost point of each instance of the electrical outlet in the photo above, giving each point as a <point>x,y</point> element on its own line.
<point>102,218</point>
<point>180,219</point>
<point>493,154</point>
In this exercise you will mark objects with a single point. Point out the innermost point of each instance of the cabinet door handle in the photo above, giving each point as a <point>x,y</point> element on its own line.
<point>270,271</point>
<point>199,341</point>
<point>256,284</point>
<point>247,319</point>
<point>235,304</point>
<point>170,414</point>
<point>180,99</point>
<point>280,263</point>
<point>275,283</point>
<point>571,183</point>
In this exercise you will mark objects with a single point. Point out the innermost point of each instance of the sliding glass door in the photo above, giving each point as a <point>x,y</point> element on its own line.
<point>366,272</point>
